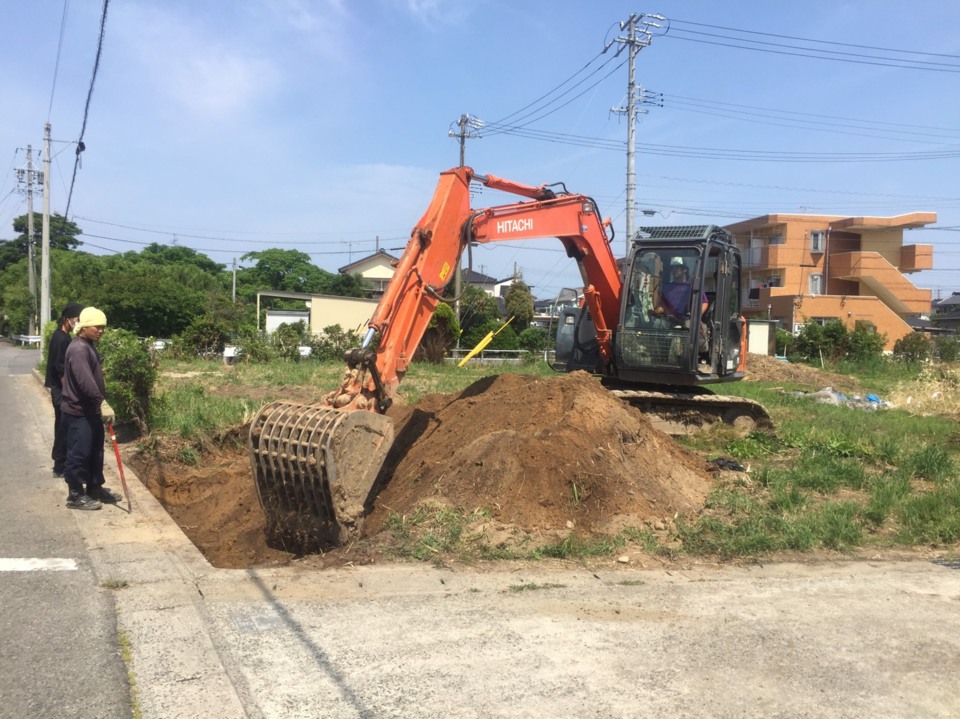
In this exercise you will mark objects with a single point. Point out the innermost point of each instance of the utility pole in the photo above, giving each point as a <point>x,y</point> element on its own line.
<point>475,123</point>
<point>31,272</point>
<point>234,280</point>
<point>45,249</point>
<point>639,35</point>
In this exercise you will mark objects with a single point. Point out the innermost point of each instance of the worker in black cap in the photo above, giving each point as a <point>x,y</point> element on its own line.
<point>56,354</point>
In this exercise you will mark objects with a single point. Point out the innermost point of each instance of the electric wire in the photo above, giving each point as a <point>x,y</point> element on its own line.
<point>86,108</point>
<point>56,64</point>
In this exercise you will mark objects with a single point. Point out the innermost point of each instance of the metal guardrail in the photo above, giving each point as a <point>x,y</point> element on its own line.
<point>28,339</point>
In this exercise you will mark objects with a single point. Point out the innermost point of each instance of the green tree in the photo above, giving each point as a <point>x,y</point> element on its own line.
<point>519,304</point>
<point>345,286</point>
<point>477,308</point>
<point>63,236</point>
<point>284,271</point>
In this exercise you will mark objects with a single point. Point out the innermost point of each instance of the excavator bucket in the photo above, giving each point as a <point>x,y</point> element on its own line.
<point>315,469</point>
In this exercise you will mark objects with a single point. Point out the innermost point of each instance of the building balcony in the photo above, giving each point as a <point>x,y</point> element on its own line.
<point>914,258</point>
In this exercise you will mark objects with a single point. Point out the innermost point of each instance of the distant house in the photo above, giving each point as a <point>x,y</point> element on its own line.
<point>816,268</point>
<point>322,311</point>
<point>376,270</point>
<point>478,279</point>
<point>545,312</point>
<point>946,314</point>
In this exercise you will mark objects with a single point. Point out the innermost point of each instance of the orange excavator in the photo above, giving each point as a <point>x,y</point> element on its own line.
<point>653,334</point>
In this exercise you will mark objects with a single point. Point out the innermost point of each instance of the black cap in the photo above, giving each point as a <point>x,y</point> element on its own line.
<point>73,309</point>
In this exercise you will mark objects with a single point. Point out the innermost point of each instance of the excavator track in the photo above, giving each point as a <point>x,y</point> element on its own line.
<point>680,413</point>
<point>315,468</point>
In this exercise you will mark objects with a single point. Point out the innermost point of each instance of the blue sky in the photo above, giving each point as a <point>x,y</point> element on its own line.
<point>232,126</point>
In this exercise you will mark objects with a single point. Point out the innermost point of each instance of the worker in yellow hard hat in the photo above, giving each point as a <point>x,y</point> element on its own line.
<point>84,410</point>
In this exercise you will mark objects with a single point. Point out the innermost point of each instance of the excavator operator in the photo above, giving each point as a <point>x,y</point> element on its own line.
<point>675,293</point>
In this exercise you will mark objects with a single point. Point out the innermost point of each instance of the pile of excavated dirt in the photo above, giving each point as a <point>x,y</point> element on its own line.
<point>763,368</point>
<point>538,456</point>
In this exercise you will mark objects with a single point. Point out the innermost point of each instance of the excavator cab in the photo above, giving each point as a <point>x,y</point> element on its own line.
<point>680,322</point>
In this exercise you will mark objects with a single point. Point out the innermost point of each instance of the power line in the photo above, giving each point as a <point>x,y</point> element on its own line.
<point>86,108</point>
<point>824,42</point>
<point>799,51</point>
<point>56,64</point>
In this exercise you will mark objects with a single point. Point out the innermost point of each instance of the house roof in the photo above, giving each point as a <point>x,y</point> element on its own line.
<point>379,254</point>
<point>950,301</point>
<point>476,278</point>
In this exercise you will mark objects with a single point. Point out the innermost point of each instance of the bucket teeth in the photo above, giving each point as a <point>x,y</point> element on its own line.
<point>315,468</point>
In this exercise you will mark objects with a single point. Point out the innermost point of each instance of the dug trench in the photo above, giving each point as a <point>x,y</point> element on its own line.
<point>532,460</point>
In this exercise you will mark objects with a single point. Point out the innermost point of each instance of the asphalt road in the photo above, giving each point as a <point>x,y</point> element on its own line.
<point>59,652</point>
<point>834,639</point>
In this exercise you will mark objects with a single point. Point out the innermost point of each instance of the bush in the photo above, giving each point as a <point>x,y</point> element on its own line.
<point>203,337</point>
<point>785,342</point>
<point>864,343</point>
<point>831,342</point>
<point>914,347</point>
<point>255,347</point>
<point>533,340</point>
<point>287,338</point>
<point>441,335</point>
<point>130,373</point>
<point>946,349</point>
<point>333,343</point>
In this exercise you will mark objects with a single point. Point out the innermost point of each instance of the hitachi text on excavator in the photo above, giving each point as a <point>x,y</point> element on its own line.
<point>656,328</point>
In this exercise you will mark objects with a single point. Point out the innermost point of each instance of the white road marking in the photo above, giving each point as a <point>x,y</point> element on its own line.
<point>33,564</point>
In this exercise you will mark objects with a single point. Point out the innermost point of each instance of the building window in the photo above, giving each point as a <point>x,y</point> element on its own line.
<point>816,284</point>
<point>776,240</point>
<point>816,240</point>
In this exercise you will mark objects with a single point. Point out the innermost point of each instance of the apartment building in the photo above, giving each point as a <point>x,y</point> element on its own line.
<point>814,268</point>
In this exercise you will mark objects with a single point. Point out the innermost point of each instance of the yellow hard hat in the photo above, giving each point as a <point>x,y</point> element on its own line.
<point>91,317</point>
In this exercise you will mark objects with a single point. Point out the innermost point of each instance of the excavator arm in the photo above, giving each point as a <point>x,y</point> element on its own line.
<point>431,256</point>
<point>316,467</point>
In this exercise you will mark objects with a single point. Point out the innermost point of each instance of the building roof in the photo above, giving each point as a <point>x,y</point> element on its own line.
<point>910,220</point>
<point>378,255</point>
<point>476,278</point>
<point>951,301</point>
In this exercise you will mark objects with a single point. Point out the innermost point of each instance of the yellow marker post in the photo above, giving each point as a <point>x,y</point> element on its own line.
<point>482,344</point>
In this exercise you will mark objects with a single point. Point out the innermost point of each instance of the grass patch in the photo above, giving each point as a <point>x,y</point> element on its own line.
<point>126,654</point>
<point>111,583</point>
<point>534,586</point>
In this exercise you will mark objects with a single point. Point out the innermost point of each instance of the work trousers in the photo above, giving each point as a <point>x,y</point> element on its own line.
<point>59,452</point>
<point>84,465</point>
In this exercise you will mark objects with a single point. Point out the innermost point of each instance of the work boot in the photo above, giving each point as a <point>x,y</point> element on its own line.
<point>101,493</point>
<point>82,501</point>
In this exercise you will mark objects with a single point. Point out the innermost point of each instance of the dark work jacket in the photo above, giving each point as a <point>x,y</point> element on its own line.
<point>83,389</point>
<point>56,355</point>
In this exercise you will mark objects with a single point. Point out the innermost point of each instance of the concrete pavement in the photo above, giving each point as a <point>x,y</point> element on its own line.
<point>843,639</point>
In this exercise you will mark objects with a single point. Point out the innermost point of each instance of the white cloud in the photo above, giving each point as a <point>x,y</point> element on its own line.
<point>197,69</point>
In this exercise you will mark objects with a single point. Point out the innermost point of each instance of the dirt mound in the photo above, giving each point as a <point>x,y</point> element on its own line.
<point>763,368</point>
<point>538,455</point>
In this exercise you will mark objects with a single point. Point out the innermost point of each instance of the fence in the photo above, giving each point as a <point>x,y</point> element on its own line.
<point>497,357</point>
